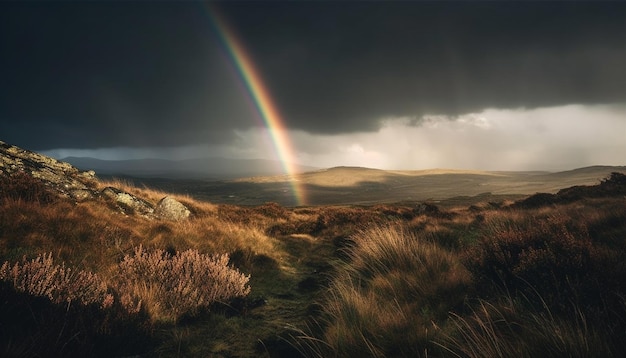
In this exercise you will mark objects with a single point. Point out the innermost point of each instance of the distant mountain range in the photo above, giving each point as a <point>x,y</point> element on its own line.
<point>202,168</point>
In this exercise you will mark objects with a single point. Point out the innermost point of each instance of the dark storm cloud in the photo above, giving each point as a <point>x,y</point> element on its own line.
<point>105,74</point>
<point>153,74</point>
<point>360,62</point>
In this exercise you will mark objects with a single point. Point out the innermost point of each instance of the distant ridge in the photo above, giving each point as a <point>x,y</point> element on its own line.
<point>358,185</point>
<point>203,168</point>
<point>254,182</point>
<point>590,169</point>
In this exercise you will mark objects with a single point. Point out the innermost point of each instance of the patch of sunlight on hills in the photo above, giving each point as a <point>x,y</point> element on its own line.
<point>350,176</point>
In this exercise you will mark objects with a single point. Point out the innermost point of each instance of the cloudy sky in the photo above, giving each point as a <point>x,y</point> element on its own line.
<point>391,85</point>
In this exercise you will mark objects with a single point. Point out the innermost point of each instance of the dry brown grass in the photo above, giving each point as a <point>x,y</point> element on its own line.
<point>76,231</point>
<point>148,194</point>
<point>546,281</point>
<point>70,231</point>
<point>506,329</point>
<point>397,281</point>
<point>394,283</point>
<point>551,283</point>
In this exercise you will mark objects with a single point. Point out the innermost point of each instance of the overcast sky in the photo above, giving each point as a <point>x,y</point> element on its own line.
<point>392,85</point>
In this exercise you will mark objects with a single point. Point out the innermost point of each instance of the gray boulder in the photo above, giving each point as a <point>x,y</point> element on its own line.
<point>171,209</point>
<point>81,195</point>
<point>128,203</point>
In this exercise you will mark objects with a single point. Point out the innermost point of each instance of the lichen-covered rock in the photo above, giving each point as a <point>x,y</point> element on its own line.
<point>81,195</point>
<point>171,209</point>
<point>59,177</point>
<point>128,203</point>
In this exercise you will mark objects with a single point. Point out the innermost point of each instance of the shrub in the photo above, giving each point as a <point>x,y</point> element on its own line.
<point>552,259</point>
<point>51,310</point>
<point>60,284</point>
<point>23,186</point>
<point>272,210</point>
<point>346,221</point>
<point>551,253</point>
<point>307,226</point>
<point>170,286</point>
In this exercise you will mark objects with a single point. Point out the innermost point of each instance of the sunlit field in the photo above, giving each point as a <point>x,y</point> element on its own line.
<point>540,276</point>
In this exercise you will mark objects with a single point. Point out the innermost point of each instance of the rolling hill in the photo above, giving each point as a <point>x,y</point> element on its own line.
<point>356,185</point>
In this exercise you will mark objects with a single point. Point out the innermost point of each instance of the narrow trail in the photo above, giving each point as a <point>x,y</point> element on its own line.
<point>287,294</point>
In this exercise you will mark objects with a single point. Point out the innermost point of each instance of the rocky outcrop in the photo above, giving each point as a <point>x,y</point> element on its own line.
<point>60,177</point>
<point>171,209</point>
<point>64,180</point>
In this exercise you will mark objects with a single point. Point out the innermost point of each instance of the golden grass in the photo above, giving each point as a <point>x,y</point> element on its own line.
<point>71,229</point>
<point>393,283</point>
<point>544,282</point>
<point>388,280</point>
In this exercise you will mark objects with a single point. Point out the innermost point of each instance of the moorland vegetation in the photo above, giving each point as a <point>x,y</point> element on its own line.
<point>542,276</point>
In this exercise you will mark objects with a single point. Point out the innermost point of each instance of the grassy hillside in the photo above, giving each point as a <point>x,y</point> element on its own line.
<point>364,186</point>
<point>540,277</point>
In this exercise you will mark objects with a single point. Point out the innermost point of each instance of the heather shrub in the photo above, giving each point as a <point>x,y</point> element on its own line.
<point>343,221</point>
<point>272,210</point>
<point>169,286</point>
<point>401,212</point>
<point>42,277</point>
<point>551,253</point>
<point>49,309</point>
<point>22,186</point>
<point>33,326</point>
<point>238,214</point>
<point>303,226</point>
<point>566,262</point>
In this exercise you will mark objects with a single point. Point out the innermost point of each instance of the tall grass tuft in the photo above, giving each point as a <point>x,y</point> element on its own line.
<point>515,326</point>
<point>392,295</point>
<point>169,286</point>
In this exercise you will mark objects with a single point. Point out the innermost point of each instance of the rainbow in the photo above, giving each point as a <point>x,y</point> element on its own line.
<point>262,100</point>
